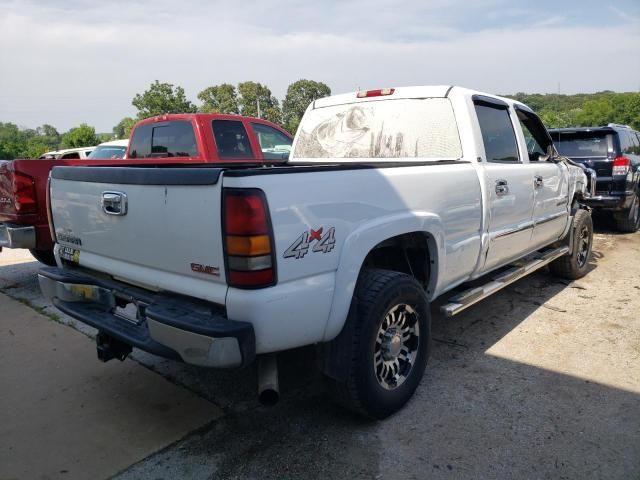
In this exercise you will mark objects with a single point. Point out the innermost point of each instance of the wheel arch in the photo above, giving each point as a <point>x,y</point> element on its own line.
<point>418,230</point>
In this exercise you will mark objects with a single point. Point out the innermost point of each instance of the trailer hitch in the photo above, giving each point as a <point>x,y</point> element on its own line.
<point>110,348</point>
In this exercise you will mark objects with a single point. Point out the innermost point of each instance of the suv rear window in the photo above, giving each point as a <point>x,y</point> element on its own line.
<point>166,139</point>
<point>583,144</point>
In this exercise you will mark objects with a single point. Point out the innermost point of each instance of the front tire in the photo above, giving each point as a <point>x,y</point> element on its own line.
<point>390,340</point>
<point>576,264</point>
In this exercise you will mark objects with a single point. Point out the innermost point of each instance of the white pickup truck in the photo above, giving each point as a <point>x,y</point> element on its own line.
<point>391,198</point>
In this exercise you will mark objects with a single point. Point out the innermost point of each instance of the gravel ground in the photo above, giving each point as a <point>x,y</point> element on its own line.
<point>541,380</point>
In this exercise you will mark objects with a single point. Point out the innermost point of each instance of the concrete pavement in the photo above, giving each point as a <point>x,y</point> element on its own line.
<point>541,381</point>
<point>65,415</point>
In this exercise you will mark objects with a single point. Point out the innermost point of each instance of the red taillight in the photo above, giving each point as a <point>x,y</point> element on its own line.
<point>248,239</point>
<point>245,213</point>
<point>620,166</point>
<point>376,93</point>
<point>24,190</point>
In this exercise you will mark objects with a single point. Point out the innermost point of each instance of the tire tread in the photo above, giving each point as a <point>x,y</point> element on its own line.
<point>371,283</point>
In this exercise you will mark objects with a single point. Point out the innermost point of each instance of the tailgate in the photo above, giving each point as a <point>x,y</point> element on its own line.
<point>158,228</point>
<point>594,149</point>
<point>603,167</point>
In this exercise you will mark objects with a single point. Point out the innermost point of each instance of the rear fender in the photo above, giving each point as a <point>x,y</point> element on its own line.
<point>362,240</point>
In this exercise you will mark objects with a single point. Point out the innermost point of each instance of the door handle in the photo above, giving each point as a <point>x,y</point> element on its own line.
<point>537,181</point>
<point>502,187</point>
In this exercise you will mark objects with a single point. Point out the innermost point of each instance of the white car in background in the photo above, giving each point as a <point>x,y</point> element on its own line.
<point>68,153</point>
<point>113,150</point>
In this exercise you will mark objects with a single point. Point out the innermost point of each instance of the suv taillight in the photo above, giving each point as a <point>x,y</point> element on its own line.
<point>24,190</point>
<point>248,239</point>
<point>620,166</point>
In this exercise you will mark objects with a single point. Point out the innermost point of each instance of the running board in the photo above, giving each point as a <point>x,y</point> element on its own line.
<point>518,270</point>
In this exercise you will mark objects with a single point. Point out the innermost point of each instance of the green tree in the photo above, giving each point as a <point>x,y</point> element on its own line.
<point>253,94</point>
<point>26,143</point>
<point>49,136</point>
<point>82,136</point>
<point>554,119</point>
<point>124,127</point>
<point>219,99</point>
<point>596,112</point>
<point>162,98</point>
<point>35,147</point>
<point>585,109</point>
<point>300,95</point>
<point>627,108</point>
<point>12,142</point>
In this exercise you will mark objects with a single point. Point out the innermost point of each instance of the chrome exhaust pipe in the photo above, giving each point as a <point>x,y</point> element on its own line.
<point>268,389</point>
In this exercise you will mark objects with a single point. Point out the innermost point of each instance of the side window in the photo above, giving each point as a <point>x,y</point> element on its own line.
<point>534,149</point>
<point>497,133</point>
<point>70,156</point>
<point>637,143</point>
<point>231,139</point>
<point>625,142</point>
<point>141,142</point>
<point>631,145</point>
<point>274,144</point>
<point>535,134</point>
<point>174,139</point>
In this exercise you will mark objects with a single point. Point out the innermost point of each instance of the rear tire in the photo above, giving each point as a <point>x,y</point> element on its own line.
<point>44,256</point>
<point>389,345</point>
<point>628,221</point>
<point>576,264</point>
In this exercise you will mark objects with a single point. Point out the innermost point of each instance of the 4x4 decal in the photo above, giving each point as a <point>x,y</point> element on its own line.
<point>324,242</point>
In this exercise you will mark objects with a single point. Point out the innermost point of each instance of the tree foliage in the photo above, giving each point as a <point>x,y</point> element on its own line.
<point>162,98</point>
<point>554,109</point>
<point>82,136</point>
<point>219,99</point>
<point>26,143</point>
<point>584,110</point>
<point>124,127</point>
<point>253,94</point>
<point>300,95</point>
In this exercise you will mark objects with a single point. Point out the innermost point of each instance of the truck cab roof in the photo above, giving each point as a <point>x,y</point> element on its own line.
<point>397,93</point>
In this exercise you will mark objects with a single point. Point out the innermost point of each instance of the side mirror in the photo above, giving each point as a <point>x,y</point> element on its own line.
<point>551,156</point>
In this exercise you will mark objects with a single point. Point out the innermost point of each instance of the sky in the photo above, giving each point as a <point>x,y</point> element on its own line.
<point>64,62</point>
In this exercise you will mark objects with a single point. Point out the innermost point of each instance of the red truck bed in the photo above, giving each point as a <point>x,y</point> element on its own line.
<point>171,138</point>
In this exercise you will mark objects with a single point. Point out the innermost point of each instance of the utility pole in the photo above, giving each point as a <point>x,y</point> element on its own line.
<point>258,103</point>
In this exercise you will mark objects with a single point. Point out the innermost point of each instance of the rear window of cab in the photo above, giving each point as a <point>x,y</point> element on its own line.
<point>403,128</point>
<point>163,140</point>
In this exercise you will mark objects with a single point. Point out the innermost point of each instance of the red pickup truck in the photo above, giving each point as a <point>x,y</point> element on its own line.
<point>171,138</point>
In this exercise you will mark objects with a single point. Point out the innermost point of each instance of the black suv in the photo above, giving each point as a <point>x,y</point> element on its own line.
<point>614,153</point>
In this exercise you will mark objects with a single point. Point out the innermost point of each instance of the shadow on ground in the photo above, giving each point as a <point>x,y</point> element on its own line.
<point>474,415</point>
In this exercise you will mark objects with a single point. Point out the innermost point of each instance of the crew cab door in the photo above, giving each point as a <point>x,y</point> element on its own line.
<point>550,182</point>
<point>509,183</point>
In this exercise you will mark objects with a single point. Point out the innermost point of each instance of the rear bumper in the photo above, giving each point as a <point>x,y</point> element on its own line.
<point>609,202</point>
<point>17,236</point>
<point>166,325</point>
